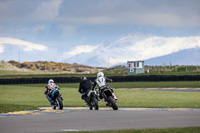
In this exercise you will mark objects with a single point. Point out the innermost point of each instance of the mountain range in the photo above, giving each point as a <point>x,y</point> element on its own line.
<point>183,57</point>
<point>154,50</point>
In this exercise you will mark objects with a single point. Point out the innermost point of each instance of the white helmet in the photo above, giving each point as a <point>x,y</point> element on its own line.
<point>100,74</point>
<point>51,82</point>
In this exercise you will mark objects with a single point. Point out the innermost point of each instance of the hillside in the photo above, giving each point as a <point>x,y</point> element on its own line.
<point>41,66</point>
<point>14,69</point>
<point>183,57</point>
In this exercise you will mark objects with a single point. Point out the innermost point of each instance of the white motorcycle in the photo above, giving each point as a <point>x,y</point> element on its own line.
<point>108,97</point>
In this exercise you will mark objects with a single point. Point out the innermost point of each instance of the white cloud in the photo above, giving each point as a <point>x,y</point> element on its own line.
<point>79,50</point>
<point>27,46</point>
<point>1,48</point>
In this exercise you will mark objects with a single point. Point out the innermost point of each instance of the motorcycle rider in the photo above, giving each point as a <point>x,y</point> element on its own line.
<point>50,85</point>
<point>100,81</point>
<point>84,87</point>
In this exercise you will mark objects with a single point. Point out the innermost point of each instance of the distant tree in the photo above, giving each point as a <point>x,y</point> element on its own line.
<point>53,68</point>
<point>33,68</point>
<point>24,65</point>
<point>13,62</point>
<point>2,61</point>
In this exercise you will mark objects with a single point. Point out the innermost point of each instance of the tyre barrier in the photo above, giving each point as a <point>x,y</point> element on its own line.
<point>146,78</point>
<point>156,78</point>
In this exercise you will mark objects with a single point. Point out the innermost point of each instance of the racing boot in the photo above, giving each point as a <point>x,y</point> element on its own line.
<point>53,104</point>
<point>54,107</point>
<point>98,98</point>
<point>113,94</point>
<point>106,103</point>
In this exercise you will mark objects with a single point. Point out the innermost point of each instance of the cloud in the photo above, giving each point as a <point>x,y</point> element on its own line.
<point>27,46</point>
<point>79,50</point>
<point>91,20</point>
<point>1,48</point>
<point>132,47</point>
<point>29,11</point>
<point>48,10</point>
<point>39,28</point>
<point>178,13</point>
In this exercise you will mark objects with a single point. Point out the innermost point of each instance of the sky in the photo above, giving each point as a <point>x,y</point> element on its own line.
<point>97,32</point>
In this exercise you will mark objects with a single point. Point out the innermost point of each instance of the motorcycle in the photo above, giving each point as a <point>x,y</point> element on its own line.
<point>109,98</point>
<point>56,97</point>
<point>93,100</point>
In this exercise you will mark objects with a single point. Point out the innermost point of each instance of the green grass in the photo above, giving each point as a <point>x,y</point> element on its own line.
<point>12,74</point>
<point>31,96</point>
<point>9,72</point>
<point>164,130</point>
<point>176,84</point>
<point>37,74</point>
<point>158,99</point>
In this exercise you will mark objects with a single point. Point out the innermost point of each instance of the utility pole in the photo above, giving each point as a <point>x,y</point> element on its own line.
<point>108,62</point>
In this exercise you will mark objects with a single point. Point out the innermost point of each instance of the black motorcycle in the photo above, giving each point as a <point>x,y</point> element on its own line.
<point>107,95</point>
<point>93,100</point>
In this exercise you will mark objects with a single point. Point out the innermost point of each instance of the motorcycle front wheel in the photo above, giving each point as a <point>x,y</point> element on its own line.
<point>59,103</point>
<point>113,104</point>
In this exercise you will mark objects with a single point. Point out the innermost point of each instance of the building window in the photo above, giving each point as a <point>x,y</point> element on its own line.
<point>137,64</point>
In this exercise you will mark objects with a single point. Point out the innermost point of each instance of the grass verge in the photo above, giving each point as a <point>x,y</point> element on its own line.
<point>31,96</point>
<point>164,130</point>
<point>173,84</point>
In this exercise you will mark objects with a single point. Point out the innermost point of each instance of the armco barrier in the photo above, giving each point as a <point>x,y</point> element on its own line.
<point>151,78</point>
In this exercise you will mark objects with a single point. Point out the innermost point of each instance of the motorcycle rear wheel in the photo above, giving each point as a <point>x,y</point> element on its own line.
<point>113,104</point>
<point>95,103</point>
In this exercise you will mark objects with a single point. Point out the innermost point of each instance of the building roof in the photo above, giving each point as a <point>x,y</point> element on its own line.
<point>134,61</point>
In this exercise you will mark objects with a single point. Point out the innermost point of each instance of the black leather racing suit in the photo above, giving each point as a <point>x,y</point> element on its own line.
<point>84,87</point>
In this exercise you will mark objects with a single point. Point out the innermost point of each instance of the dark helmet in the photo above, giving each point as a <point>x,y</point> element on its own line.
<point>83,78</point>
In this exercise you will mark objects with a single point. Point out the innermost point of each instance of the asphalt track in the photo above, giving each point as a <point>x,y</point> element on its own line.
<point>82,119</point>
